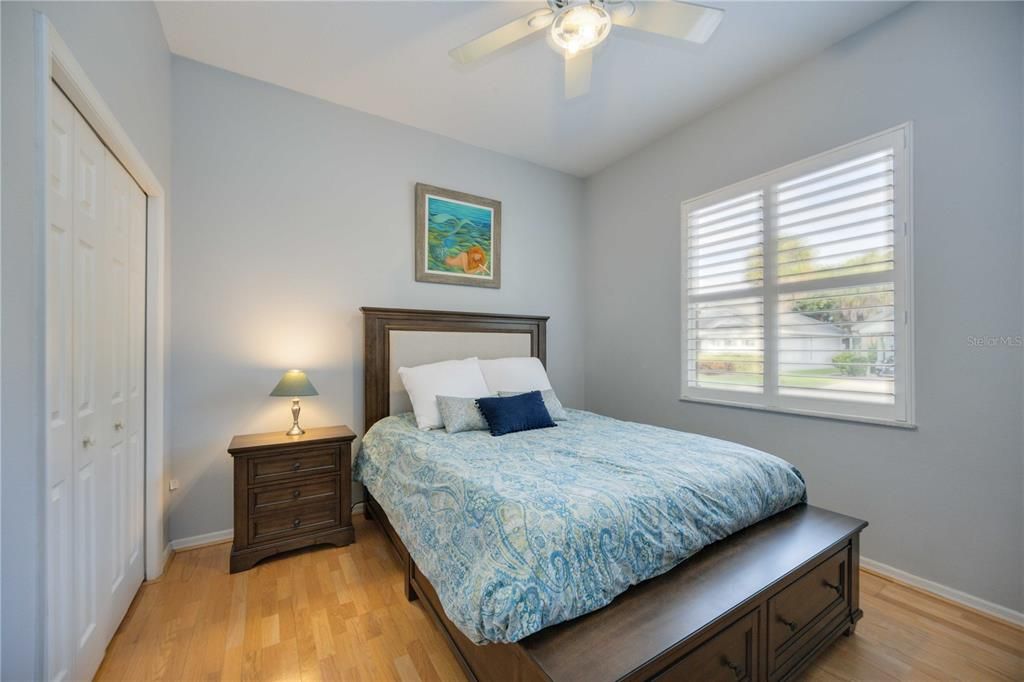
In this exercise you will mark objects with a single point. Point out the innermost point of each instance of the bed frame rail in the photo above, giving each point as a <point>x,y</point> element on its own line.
<point>664,622</point>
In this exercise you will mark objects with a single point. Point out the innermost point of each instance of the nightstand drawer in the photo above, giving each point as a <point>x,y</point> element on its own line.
<point>297,493</point>
<point>292,464</point>
<point>293,521</point>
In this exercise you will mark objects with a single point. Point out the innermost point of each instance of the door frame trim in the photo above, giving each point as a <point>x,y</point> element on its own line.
<point>54,61</point>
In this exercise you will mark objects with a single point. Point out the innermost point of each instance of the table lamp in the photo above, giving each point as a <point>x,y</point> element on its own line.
<point>293,384</point>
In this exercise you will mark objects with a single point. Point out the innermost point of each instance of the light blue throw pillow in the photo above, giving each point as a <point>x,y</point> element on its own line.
<point>551,402</point>
<point>460,414</point>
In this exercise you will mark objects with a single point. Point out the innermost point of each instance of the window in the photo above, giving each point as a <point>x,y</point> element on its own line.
<point>796,287</point>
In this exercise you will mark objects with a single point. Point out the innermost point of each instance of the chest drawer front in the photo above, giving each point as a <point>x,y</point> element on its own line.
<point>286,465</point>
<point>296,493</point>
<point>805,606</point>
<point>729,656</point>
<point>288,522</point>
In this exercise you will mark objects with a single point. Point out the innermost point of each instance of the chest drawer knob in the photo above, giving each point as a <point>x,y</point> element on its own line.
<point>296,523</point>
<point>737,671</point>
<point>296,466</point>
<point>788,623</point>
<point>838,588</point>
<point>296,493</point>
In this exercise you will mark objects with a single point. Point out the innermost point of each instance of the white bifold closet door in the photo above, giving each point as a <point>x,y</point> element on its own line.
<point>95,326</point>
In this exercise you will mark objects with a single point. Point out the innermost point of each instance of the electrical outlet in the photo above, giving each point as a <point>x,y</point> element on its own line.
<point>173,484</point>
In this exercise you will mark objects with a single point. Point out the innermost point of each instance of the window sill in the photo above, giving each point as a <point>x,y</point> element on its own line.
<point>874,421</point>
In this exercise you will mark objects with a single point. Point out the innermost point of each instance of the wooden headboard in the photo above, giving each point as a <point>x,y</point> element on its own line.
<point>378,323</point>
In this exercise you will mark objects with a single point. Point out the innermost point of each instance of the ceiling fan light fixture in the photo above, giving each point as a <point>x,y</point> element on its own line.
<point>580,27</point>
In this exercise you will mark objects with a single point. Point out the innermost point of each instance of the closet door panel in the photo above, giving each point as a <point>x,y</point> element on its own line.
<point>136,386</point>
<point>95,246</point>
<point>91,445</point>
<point>117,225</point>
<point>58,297</point>
<point>122,198</point>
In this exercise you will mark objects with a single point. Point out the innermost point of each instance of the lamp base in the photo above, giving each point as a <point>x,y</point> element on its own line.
<point>296,430</point>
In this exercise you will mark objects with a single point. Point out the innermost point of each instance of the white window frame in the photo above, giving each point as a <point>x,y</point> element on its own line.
<point>901,412</point>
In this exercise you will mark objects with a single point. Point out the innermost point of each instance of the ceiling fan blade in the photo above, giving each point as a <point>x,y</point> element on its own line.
<point>669,18</point>
<point>577,73</point>
<point>511,32</point>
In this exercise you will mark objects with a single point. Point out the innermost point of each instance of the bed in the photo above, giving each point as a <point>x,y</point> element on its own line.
<point>522,547</point>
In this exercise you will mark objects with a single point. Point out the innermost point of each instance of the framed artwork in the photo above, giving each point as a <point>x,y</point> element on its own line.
<point>458,238</point>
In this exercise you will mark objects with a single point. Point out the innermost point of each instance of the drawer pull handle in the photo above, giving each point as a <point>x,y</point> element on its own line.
<point>788,623</point>
<point>296,523</point>
<point>837,588</point>
<point>296,466</point>
<point>88,442</point>
<point>736,670</point>
<point>296,493</point>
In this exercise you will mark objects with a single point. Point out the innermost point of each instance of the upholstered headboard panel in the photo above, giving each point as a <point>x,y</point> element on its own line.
<point>403,338</point>
<point>411,348</point>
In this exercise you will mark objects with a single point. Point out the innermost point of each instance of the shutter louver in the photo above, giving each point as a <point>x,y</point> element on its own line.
<point>837,221</point>
<point>726,246</point>
<point>838,344</point>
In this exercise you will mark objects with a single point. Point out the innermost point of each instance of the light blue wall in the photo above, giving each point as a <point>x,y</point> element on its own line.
<point>944,501</point>
<point>289,214</point>
<point>122,48</point>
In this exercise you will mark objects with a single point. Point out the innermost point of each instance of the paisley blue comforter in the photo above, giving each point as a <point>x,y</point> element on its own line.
<point>534,528</point>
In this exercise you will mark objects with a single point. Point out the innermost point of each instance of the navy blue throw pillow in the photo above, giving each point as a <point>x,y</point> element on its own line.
<point>521,412</point>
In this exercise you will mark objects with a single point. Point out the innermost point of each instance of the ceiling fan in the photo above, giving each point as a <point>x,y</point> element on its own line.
<point>578,26</point>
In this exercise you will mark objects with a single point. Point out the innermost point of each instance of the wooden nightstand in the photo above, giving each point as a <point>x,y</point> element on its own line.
<point>291,492</point>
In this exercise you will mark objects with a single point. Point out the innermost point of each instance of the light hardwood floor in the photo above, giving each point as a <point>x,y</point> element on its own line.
<point>341,614</point>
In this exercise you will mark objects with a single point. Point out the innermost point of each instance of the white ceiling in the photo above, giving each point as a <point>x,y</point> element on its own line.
<point>391,59</point>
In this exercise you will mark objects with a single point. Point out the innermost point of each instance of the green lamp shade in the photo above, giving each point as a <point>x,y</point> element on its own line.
<point>294,384</point>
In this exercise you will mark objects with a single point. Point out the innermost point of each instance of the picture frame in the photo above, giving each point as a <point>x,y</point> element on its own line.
<point>458,238</point>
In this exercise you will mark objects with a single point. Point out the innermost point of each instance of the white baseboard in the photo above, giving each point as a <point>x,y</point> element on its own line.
<point>204,539</point>
<point>948,593</point>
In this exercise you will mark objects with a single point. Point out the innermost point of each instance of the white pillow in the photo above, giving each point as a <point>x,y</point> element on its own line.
<point>457,378</point>
<point>515,375</point>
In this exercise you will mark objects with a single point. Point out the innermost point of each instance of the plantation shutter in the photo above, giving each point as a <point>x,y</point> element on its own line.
<point>725,318</point>
<point>831,225</point>
<point>795,286</point>
<point>837,221</point>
